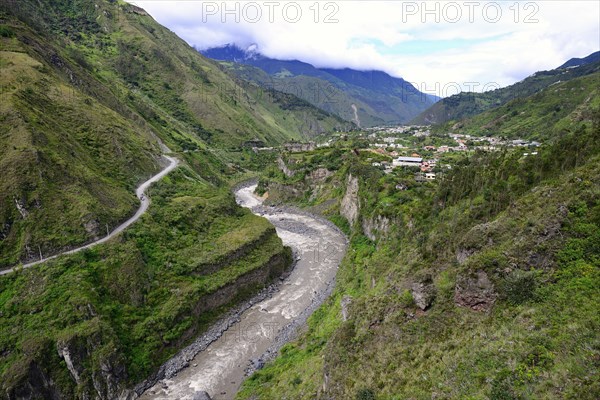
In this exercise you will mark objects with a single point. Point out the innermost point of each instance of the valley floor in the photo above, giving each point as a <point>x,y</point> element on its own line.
<point>266,326</point>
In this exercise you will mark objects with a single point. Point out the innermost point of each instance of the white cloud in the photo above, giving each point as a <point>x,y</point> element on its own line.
<point>399,37</point>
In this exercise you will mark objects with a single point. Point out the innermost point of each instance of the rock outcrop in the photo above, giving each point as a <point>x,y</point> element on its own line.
<point>375,227</point>
<point>462,255</point>
<point>201,396</point>
<point>284,168</point>
<point>476,292</point>
<point>345,304</point>
<point>36,384</point>
<point>66,350</point>
<point>423,293</point>
<point>350,205</point>
<point>319,175</point>
<point>96,377</point>
<point>21,208</point>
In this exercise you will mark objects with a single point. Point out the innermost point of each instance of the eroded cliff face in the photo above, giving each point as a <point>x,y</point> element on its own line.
<point>350,205</point>
<point>376,227</point>
<point>93,364</point>
<point>284,168</point>
<point>99,376</point>
<point>35,384</point>
<point>317,184</point>
<point>88,362</point>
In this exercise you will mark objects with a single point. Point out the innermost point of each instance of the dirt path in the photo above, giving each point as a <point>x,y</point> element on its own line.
<point>144,204</point>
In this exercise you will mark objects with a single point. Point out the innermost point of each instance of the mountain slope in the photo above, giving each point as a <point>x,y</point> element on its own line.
<point>576,62</point>
<point>377,97</point>
<point>85,112</point>
<point>58,139</point>
<point>483,284</point>
<point>464,105</point>
<point>559,108</point>
<point>93,92</point>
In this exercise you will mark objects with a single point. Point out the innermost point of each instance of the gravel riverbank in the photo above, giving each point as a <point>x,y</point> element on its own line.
<point>243,340</point>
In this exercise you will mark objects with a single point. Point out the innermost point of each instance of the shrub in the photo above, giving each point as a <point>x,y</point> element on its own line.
<point>519,286</point>
<point>6,32</point>
<point>406,299</point>
<point>365,394</point>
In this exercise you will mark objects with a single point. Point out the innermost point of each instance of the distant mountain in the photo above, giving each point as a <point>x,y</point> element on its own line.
<point>577,62</point>
<point>93,92</point>
<point>465,105</point>
<point>543,116</point>
<point>153,86</point>
<point>367,98</point>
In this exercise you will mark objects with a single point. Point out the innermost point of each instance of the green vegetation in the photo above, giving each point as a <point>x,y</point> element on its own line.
<point>89,90</point>
<point>508,249</point>
<point>388,101</point>
<point>504,249</point>
<point>465,105</point>
<point>70,163</point>
<point>550,112</point>
<point>133,302</point>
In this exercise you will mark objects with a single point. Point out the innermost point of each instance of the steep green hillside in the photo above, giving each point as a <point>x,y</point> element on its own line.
<point>558,108</point>
<point>465,105</point>
<point>379,98</point>
<point>96,323</point>
<point>89,91</point>
<point>122,46</point>
<point>71,164</point>
<point>483,285</point>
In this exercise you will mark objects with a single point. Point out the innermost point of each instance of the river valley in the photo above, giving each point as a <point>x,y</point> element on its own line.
<point>264,327</point>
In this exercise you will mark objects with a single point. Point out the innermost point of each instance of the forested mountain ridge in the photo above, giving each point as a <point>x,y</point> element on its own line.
<point>481,284</point>
<point>378,97</point>
<point>465,105</point>
<point>89,90</point>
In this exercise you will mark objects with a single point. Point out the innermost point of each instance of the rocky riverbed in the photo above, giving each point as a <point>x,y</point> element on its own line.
<point>242,341</point>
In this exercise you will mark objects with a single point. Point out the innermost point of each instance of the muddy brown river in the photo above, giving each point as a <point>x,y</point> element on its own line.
<point>220,369</point>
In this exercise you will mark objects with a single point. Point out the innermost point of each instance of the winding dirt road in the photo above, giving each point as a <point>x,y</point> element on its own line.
<point>264,327</point>
<point>144,204</point>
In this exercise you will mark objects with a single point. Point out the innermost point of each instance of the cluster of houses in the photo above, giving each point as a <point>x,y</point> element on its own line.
<point>297,147</point>
<point>489,143</point>
<point>399,129</point>
<point>425,166</point>
<point>386,145</point>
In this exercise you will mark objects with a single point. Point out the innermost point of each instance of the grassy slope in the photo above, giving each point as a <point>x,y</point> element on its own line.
<point>532,224</point>
<point>465,105</point>
<point>558,107</point>
<point>56,139</point>
<point>89,88</point>
<point>337,96</point>
<point>132,300</point>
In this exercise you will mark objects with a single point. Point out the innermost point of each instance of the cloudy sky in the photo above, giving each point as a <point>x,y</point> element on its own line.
<point>437,45</point>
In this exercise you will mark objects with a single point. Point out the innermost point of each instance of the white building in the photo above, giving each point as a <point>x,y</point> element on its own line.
<point>407,161</point>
